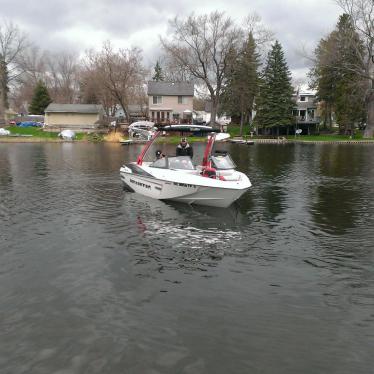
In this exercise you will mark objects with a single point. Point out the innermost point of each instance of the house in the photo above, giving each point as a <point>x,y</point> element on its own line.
<point>306,109</point>
<point>221,118</point>
<point>170,101</point>
<point>80,117</point>
<point>137,112</point>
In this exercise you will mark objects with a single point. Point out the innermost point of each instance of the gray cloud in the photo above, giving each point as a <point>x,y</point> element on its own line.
<point>79,25</point>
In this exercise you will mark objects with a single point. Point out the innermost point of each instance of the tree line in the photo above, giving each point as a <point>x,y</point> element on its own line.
<point>31,78</point>
<point>343,69</point>
<point>239,69</point>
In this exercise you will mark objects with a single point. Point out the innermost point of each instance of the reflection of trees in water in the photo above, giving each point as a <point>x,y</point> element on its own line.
<point>39,162</point>
<point>274,160</point>
<point>5,169</point>
<point>339,194</point>
<point>341,160</point>
<point>6,186</point>
<point>334,208</point>
<point>272,166</point>
<point>274,201</point>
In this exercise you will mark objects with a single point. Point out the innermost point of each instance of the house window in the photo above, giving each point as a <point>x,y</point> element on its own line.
<point>182,99</point>
<point>302,98</point>
<point>157,99</point>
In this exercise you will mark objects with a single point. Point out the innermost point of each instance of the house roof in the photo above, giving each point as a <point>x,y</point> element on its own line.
<point>170,88</point>
<point>304,90</point>
<point>73,108</point>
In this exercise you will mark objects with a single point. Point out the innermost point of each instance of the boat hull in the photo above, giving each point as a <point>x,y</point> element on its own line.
<point>208,192</point>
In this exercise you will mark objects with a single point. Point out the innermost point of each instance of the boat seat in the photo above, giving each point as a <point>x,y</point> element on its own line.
<point>228,175</point>
<point>209,173</point>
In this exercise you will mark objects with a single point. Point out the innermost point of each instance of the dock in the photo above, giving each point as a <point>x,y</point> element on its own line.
<point>131,141</point>
<point>241,141</point>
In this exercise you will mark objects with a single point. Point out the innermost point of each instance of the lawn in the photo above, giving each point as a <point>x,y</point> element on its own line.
<point>175,139</point>
<point>234,130</point>
<point>327,138</point>
<point>38,132</point>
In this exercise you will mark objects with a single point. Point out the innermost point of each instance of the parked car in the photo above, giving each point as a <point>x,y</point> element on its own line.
<point>29,124</point>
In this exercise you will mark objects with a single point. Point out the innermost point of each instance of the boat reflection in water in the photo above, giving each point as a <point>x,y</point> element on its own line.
<point>176,235</point>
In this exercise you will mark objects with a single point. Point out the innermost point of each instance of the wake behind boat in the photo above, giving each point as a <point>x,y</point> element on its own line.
<point>213,183</point>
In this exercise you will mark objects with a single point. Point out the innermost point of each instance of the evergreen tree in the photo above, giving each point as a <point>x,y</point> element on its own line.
<point>323,77</point>
<point>274,104</point>
<point>159,75</point>
<point>40,100</point>
<point>350,95</point>
<point>335,75</point>
<point>229,102</point>
<point>242,82</point>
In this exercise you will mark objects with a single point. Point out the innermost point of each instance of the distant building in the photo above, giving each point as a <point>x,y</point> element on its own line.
<point>80,117</point>
<point>305,110</point>
<point>170,101</point>
<point>137,112</point>
<point>222,119</point>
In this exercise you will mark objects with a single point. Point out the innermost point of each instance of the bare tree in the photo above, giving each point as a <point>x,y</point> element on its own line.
<point>362,15</point>
<point>200,45</point>
<point>33,65</point>
<point>262,35</point>
<point>62,77</point>
<point>119,74</point>
<point>12,44</point>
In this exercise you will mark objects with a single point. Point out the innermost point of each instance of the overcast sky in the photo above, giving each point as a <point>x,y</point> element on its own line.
<point>78,25</point>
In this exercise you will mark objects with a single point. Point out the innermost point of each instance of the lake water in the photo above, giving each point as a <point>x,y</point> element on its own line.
<point>97,280</point>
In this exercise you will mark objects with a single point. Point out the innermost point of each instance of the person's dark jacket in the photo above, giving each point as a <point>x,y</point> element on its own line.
<point>184,151</point>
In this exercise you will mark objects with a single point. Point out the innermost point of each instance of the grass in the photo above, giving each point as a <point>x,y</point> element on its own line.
<point>233,130</point>
<point>38,132</point>
<point>34,131</point>
<point>328,137</point>
<point>176,139</point>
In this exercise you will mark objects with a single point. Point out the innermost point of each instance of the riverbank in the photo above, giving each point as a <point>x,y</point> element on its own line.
<point>37,135</point>
<point>313,141</point>
<point>175,140</point>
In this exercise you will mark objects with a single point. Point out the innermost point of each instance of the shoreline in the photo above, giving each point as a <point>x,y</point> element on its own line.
<point>5,139</point>
<point>289,141</point>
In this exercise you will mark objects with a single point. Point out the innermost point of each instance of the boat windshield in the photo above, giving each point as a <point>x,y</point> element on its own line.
<point>223,162</point>
<point>179,163</point>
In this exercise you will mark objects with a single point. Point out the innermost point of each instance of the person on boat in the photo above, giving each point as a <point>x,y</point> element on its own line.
<point>184,148</point>
<point>159,154</point>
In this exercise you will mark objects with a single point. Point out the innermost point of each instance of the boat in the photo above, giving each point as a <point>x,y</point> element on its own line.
<point>213,183</point>
<point>142,130</point>
<point>132,141</point>
<point>67,135</point>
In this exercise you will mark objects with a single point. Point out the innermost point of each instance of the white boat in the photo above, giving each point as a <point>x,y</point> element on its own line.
<point>67,135</point>
<point>4,132</point>
<point>142,130</point>
<point>213,183</point>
